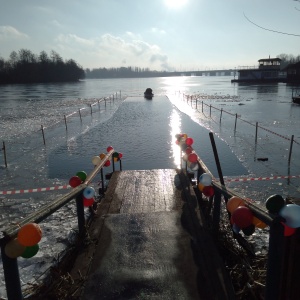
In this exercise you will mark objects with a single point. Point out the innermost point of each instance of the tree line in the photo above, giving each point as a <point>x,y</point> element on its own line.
<point>26,67</point>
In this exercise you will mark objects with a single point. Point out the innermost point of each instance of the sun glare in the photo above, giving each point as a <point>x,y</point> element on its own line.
<point>175,3</point>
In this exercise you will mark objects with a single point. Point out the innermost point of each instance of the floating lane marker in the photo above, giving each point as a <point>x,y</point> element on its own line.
<point>45,189</point>
<point>261,178</point>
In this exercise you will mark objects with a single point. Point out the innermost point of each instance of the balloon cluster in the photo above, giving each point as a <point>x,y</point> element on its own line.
<point>242,217</point>
<point>185,142</point>
<point>78,179</point>
<point>26,243</point>
<point>290,212</point>
<point>205,186</point>
<point>97,159</point>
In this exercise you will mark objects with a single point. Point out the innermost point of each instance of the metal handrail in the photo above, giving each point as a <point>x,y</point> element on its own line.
<point>10,265</point>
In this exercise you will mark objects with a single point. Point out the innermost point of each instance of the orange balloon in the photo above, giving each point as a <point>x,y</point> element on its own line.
<point>102,155</point>
<point>259,223</point>
<point>29,234</point>
<point>201,187</point>
<point>13,249</point>
<point>233,203</point>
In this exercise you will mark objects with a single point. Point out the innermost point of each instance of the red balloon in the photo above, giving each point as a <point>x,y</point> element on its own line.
<point>107,164</point>
<point>88,202</point>
<point>208,191</point>
<point>188,150</point>
<point>109,148</point>
<point>189,141</point>
<point>288,231</point>
<point>192,157</point>
<point>242,217</point>
<point>75,181</point>
<point>120,155</point>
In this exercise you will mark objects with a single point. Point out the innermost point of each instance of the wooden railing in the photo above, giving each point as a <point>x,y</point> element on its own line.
<point>10,265</point>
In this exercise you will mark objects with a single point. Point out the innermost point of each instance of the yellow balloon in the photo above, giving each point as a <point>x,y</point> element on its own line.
<point>233,203</point>
<point>102,155</point>
<point>14,249</point>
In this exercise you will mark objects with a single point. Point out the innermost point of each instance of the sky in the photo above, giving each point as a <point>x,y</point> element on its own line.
<point>160,35</point>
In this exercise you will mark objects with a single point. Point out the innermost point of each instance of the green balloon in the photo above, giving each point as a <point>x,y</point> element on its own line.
<point>275,203</point>
<point>30,251</point>
<point>82,175</point>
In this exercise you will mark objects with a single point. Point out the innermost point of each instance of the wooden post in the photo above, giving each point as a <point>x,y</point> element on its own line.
<point>202,106</point>
<point>196,103</point>
<point>235,122</point>
<point>66,122</point>
<point>42,128</point>
<point>256,128</point>
<point>291,147</point>
<point>80,115</point>
<point>91,109</point>
<point>99,104</point>
<point>4,151</point>
<point>210,110</point>
<point>221,114</point>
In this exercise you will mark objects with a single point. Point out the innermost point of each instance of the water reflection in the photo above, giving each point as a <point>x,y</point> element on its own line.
<point>175,125</point>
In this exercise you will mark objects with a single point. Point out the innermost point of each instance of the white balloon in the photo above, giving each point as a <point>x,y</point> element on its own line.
<point>96,160</point>
<point>205,179</point>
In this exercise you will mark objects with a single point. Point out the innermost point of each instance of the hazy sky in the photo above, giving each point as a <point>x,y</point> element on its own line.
<point>158,34</point>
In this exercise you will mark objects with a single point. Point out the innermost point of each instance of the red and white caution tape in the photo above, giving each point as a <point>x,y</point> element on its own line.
<point>261,178</point>
<point>45,189</point>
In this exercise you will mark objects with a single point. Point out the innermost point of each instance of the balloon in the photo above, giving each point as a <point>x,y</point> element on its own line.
<point>183,147</point>
<point>75,181</point>
<point>235,228</point>
<point>88,192</point>
<point>88,202</point>
<point>189,141</point>
<point>201,187</point>
<point>275,203</point>
<point>233,203</point>
<point>192,157</point>
<point>120,155</point>
<point>205,179</point>
<point>115,154</point>
<point>184,135</point>
<point>82,175</point>
<point>188,150</point>
<point>185,157</point>
<point>29,234</point>
<point>102,155</point>
<point>177,142</point>
<point>242,217</point>
<point>13,248</point>
<point>116,159</point>
<point>107,164</point>
<point>249,230</point>
<point>208,191</point>
<point>109,148</point>
<point>194,166</point>
<point>258,223</point>
<point>30,251</point>
<point>96,160</point>
<point>288,231</point>
<point>291,214</point>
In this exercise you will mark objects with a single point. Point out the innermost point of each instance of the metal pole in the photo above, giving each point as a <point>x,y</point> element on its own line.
<point>102,180</point>
<point>210,110</point>
<point>11,276</point>
<point>202,105</point>
<point>120,165</point>
<point>256,128</point>
<point>275,259</point>
<point>80,214</point>
<point>221,114</point>
<point>291,147</point>
<point>4,151</point>
<point>91,109</point>
<point>42,128</point>
<point>196,103</point>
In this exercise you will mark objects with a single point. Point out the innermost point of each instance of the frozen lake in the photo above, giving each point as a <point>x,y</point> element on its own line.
<point>144,131</point>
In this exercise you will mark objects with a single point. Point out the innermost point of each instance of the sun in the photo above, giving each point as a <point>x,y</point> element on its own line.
<point>175,3</point>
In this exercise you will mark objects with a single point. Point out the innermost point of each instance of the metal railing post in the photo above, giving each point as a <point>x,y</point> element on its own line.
<point>80,214</point>
<point>11,276</point>
<point>256,128</point>
<point>42,128</point>
<point>275,259</point>
<point>235,123</point>
<point>221,114</point>
<point>4,151</point>
<point>65,122</point>
<point>80,115</point>
<point>291,147</point>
